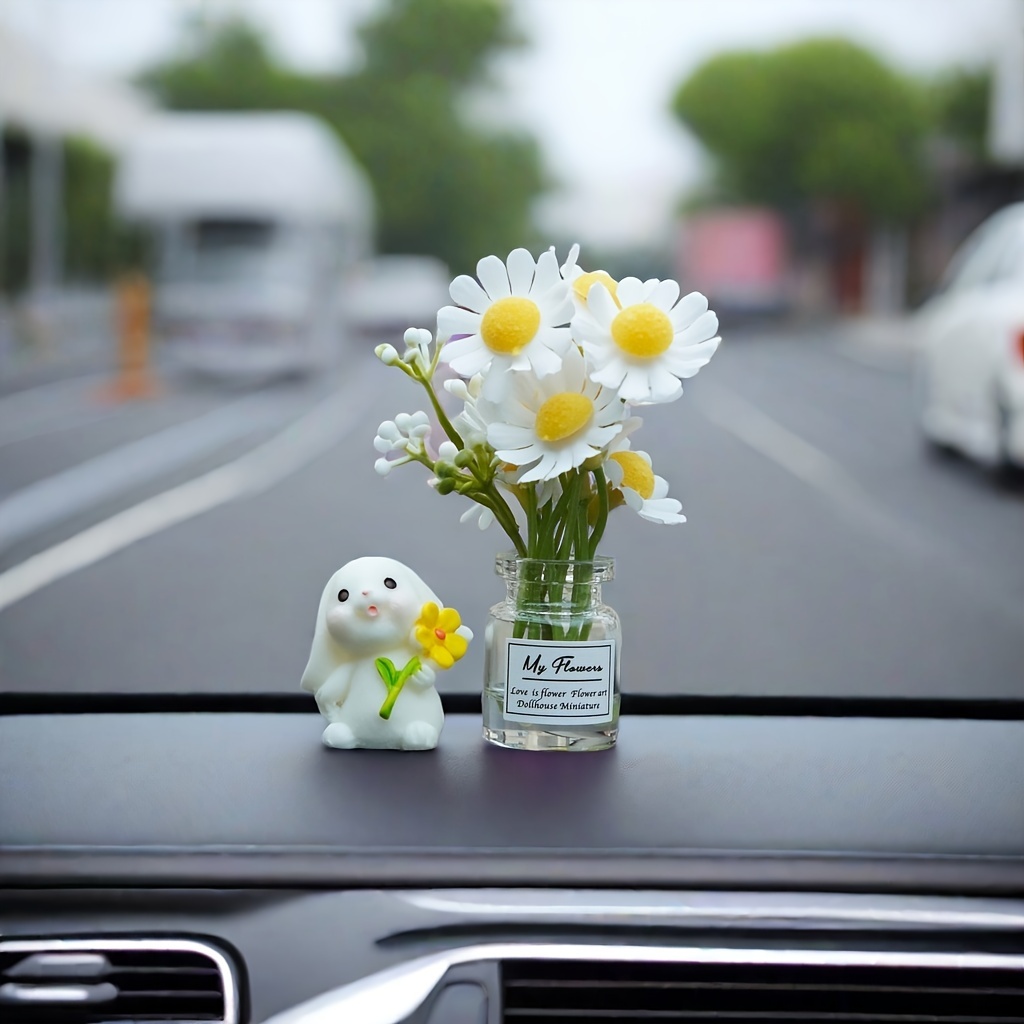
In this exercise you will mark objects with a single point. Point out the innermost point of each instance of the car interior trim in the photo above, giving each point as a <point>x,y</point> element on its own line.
<point>225,968</point>
<point>191,867</point>
<point>393,994</point>
<point>730,908</point>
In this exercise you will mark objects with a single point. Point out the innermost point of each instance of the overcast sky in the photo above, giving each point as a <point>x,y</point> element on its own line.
<point>594,85</point>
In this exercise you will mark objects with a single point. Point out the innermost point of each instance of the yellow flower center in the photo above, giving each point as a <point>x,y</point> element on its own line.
<point>563,416</point>
<point>582,285</point>
<point>636,474</point>
<point>642,330</point>
<point>510,324</point>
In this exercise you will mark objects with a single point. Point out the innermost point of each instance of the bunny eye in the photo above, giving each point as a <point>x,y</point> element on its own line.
<point>390,583</point>
<point>342,595</point>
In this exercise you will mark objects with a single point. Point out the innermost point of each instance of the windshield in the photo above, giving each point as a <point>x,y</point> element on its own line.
<point>173,501</point>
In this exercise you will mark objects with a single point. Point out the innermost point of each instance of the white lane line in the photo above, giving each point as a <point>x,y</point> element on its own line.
<point>303,441</point>
<point>66,494</point>
<point>747,423</point>
<point>759,431</point>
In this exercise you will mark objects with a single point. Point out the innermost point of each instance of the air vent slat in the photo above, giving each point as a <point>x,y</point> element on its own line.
<point>548,991</point>
<point>173,980</point>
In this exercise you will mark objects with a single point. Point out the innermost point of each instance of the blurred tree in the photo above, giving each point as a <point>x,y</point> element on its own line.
<point>961,99</point>
<point>90,235</point>
<point>817,120</point>
<point>445,185</point>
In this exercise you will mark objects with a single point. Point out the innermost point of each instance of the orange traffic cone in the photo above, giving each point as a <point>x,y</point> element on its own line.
<point>134,379</point>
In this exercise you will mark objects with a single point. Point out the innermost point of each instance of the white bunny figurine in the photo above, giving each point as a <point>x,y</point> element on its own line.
<point>380,633</point>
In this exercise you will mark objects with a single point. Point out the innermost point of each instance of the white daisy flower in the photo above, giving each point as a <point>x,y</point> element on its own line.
<point>645,343</point>
<point>514,318</point>
<point>581,281</point>
<point>646,493</point>
<point>553,425</point>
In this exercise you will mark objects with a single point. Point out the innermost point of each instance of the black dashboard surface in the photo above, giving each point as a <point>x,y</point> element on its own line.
<point>773,802</point>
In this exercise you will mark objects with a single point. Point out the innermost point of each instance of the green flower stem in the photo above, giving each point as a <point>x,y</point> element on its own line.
<point>602,512</point>
<point>442,417</point>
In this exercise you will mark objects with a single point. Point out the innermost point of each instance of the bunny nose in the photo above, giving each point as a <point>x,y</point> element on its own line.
<point>366,593</point>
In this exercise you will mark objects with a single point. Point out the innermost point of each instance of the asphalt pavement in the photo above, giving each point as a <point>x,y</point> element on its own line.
<point>182,544</point>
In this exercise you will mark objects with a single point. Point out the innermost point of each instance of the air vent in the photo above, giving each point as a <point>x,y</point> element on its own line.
<point>550,991</point>
<point>93,982</point>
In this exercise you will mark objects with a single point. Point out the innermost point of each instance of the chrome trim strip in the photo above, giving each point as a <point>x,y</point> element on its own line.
<point>393,994</point>
<point>732,908</point>
<point>224,966</point>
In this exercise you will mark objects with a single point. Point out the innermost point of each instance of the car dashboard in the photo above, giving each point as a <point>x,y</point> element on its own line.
<point>710,867</point>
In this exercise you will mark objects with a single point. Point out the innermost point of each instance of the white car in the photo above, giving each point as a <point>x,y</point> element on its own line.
<point>971,337</point>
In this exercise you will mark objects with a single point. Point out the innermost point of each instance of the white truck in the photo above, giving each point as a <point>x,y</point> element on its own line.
<point>257,219</point>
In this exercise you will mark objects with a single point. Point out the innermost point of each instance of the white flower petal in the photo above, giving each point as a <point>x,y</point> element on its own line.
<point>703,328</point>
<point>612,374</point>
<point>564,461</point>
<point>508,435</point>
<point>630,291</point>
<point>556,305</point>
<point>664,385</point>
<point>544,470</point>
<point>635,386</point>
<point>466,291</point>
<point>664,295</point>
<point>685,362</point>
<point>521,268</point>
<point>493,277</point>
<point>544,361</point>
<point>454,349</point>
<point>471,362</point>
<point>660,486</point>
<point>498,382</point>
<point>665,511</point>
<point>601,305</point>
<point>570,261</point>
<point>453,320</point>
<point>687,310</point>
<point>547,276</point>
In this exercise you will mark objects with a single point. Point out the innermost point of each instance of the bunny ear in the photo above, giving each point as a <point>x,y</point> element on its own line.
<point>325,655</point>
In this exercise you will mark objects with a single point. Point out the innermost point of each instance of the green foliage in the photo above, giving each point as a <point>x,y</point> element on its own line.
<point>821,119</point>
<point>443,185</point>
<point>90,235</point>
<point>961,101</point>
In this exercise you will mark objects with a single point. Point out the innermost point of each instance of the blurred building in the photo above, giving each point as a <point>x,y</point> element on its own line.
<point>43,103</point>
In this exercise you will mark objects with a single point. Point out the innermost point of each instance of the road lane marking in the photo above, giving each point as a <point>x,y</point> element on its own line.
<point>756,429</point>
<point>851,501</point>
<point>303,441</point>
<point>71,492</point>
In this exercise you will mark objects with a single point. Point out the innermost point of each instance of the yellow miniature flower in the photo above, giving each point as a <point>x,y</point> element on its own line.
<point>435,632</point>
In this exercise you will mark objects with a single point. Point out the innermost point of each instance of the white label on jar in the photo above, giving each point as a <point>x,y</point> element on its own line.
<point>551,682</point>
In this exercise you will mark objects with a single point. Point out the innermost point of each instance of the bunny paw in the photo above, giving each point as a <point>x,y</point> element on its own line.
<point>339,735</point>
<point>419,736</point>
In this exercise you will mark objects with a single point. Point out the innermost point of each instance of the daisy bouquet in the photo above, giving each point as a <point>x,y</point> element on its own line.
<point>547,365</point>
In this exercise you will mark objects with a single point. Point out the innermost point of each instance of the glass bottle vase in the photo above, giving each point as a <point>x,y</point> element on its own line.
<point>551,657</point>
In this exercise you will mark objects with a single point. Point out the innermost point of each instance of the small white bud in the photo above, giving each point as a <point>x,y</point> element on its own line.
<point>387,354</point>
<point>383,467</point>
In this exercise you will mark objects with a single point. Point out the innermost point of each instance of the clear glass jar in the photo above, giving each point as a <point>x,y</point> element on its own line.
<point>551,657</point>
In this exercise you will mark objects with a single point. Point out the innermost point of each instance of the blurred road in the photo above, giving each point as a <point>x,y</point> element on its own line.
<point>826,552</point>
